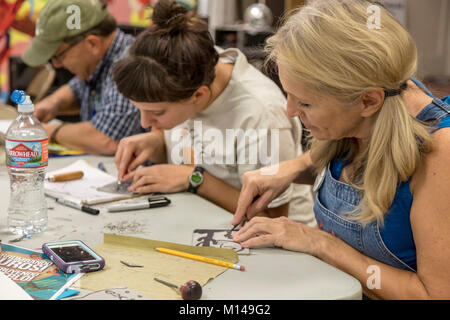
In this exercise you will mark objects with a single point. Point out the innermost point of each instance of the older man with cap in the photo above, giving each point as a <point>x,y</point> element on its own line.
<point>81,36</point>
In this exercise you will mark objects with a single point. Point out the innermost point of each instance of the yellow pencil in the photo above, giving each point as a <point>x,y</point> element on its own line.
<point>200,258</point>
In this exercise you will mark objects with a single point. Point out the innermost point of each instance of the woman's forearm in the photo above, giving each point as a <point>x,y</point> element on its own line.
<point>218,192</point>
<point>156,139</point>
<point>378,280</point>
<point>301,169</point>
<point>226,196</point>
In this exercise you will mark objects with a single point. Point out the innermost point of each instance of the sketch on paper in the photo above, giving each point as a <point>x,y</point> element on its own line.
<point>218,238</point>
<point>120,293</point>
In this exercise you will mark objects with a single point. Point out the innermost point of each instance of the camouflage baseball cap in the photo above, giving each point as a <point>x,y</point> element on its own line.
<point>59,20</point>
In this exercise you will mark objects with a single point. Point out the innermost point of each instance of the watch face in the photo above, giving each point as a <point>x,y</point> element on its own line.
<point>196,178</point>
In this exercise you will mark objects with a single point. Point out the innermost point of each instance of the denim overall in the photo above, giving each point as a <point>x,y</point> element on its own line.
<point>392,244</point>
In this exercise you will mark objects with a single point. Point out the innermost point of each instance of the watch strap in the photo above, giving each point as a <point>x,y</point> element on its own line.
<point>53,136</point>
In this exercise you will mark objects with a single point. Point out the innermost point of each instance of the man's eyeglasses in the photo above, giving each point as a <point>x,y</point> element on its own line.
<point>58,57</point>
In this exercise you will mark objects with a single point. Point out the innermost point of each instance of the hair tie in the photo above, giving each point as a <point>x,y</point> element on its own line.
<point>395,92</point>
<point>173,18</point>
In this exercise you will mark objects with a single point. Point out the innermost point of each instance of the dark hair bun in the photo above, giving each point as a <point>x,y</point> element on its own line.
<point>168,14</point>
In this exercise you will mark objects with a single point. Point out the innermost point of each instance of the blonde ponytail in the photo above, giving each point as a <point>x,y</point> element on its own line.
<point>395,150</point>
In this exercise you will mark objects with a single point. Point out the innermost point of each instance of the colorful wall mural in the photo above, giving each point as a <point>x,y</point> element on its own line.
<point>20,31</point>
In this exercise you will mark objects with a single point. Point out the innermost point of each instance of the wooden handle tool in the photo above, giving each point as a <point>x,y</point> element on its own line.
<point>69,176</point>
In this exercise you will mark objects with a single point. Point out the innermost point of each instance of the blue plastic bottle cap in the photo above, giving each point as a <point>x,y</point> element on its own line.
<point>18,96</point>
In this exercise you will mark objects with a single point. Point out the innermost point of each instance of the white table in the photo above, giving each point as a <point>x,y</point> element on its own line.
<point>271,273</point>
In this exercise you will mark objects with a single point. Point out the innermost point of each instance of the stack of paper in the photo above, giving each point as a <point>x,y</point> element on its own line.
<point>4,125</point>
<point>86,189</point>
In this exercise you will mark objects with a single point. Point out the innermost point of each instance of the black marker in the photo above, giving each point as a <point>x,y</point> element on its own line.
<point>78,206</point>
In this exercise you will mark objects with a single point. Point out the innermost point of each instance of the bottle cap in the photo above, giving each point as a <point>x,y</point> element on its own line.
<point>26,106</point>
<point>18,96</point>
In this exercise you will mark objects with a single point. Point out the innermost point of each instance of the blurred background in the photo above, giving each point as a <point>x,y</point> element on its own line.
<point>244,24</point>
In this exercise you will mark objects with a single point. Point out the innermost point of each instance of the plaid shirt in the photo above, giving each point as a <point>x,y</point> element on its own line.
<point>101,103</point>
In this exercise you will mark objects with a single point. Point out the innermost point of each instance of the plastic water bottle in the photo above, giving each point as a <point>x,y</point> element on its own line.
<point>27,160</point>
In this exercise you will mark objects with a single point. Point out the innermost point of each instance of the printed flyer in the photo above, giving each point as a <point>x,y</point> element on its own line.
<point>34,272</point>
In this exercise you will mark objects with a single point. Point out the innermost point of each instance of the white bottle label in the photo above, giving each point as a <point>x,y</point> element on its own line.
<point>26,154</point>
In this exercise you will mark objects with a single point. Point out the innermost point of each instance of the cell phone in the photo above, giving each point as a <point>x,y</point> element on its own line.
<point>73,256</point>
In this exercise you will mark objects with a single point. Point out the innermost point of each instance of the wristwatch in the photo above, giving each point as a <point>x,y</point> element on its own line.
<point>195,179</point>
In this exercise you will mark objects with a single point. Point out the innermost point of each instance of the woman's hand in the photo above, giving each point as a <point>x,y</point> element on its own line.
<point>280,232</point>
<point>165,178</point>
<point>260,187</point>
<point>135,150</point>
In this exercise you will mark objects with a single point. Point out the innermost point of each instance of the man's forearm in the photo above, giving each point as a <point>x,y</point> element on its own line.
<point>63,98</point>
<point>85,137</point>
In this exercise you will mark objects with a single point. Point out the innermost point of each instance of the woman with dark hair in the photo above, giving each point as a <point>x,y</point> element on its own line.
<point>213,116</point>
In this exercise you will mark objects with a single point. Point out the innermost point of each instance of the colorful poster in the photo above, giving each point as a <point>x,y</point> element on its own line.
<point>34,272</point>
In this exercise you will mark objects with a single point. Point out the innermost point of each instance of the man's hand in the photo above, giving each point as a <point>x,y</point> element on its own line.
<point>45,111</point>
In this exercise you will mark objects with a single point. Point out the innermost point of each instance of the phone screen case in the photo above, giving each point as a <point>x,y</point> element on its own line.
<point>73,256</point>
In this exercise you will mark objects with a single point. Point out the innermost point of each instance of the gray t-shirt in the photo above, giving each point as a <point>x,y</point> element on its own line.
<point>244,129</point>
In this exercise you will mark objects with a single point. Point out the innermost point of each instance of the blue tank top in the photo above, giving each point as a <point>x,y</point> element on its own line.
<point>392,244</point>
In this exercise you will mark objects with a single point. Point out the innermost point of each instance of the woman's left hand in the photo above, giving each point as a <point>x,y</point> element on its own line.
<point>281,232</point>
<point>165,178</point>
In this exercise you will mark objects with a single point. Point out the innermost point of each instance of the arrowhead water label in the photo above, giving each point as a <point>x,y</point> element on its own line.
<point>27,154</point>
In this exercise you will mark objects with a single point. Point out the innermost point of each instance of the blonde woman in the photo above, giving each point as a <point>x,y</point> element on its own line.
<point>381,148</point>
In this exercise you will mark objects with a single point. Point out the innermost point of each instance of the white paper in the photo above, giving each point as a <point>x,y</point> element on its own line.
<point>67,285</point>
<point>84,189</point>
<point>4,125</point>
<point>9,290</point>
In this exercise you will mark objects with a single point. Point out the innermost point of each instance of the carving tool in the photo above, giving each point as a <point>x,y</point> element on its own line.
<point>68,176</point>
<point>191,290</point>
